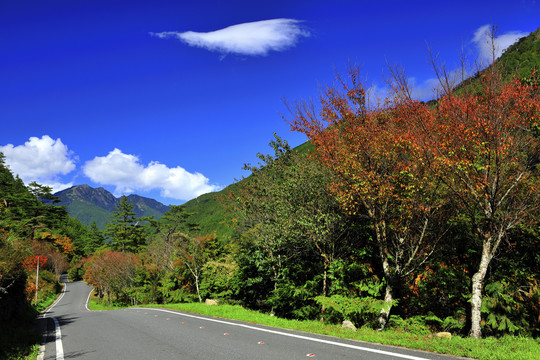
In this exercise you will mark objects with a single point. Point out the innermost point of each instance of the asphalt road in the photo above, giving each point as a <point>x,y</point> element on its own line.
<point>74,332</point>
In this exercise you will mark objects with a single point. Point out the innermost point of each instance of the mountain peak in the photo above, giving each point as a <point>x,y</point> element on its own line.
<point>90,204</point>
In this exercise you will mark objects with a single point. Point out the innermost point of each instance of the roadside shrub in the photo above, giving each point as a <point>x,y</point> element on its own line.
<point>417,325</point>
<point>361,311</point>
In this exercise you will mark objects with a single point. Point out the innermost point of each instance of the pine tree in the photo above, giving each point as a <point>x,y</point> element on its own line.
<point>96,239</point>
<point>125,229</point>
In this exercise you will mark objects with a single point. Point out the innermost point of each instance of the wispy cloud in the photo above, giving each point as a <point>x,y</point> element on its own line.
<point>127,174</point>
<point>253,38</point>
<point>41,160</point>
<point>482,40</point>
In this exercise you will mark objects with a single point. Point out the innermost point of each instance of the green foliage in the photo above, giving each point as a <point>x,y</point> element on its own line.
<point>49,288</point>
<point>211,215</point>
<point>218,277</point>
<point>360,311</point>
<point>354,277</point>
<point>418,325</point>
<point>13,279</point>
<point>95,239</point>
<point>504,312</point>
<point>521,58</point>
<point>125,229</point>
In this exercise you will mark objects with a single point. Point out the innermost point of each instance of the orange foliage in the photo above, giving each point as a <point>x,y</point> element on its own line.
<point>64,244</point>
<point>31,262</point>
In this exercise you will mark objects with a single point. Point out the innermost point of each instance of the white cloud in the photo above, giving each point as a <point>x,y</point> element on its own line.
<point>502,42</point>
<point>253,38</point>
<point>127,174</point>
<point>41,160</point>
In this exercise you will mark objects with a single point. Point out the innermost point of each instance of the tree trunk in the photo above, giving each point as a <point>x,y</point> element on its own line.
<point>476,294</point>
<point>324,292</point>
<point>385,312</point>
<point>197,286</point>
<point>272,313</point>
<point>324,279</point>
<point>388,297</point>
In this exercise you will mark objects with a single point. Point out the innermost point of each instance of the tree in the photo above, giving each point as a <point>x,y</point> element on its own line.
<point>12,274</point>
<point>287,209</point>
<point>314,211</point>
<point>96,239</point>
<point>173,222</point>
<point>51,216</point>
<point>112,272</point>
<point>259,210</point>
<point>191,252</point>
<point>486,154</point>
<point>125,229</point>
<point>380,173</point>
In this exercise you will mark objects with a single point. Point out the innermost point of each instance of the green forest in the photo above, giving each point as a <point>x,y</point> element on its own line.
<point>409,215</point>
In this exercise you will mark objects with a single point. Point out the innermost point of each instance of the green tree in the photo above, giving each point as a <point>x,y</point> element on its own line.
<point>191,252</point>
<point>96,239</point>
<point>126,230</point>
<point>290,214</point>
<point>258,207</point>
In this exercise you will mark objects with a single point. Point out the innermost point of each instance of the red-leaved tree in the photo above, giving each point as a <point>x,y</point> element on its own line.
<point>112,272</point>
<point>486,153</point>
<point>381,172</point>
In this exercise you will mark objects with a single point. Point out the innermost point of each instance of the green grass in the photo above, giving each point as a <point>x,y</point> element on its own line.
<point>95,303</point>
<point>45,302</point>
<point>508,347</point>
<point>103,306</point>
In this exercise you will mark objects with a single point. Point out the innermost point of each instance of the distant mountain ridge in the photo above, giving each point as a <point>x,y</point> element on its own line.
<point>89,204</point>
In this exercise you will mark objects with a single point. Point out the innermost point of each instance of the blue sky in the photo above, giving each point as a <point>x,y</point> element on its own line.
<point>168,99</point>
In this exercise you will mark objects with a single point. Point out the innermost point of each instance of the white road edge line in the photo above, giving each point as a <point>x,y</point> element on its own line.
<point>88,300</point>
<point>58,333</point>
<point>383,352</point>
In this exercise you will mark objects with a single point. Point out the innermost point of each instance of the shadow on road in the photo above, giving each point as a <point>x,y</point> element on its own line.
<point>76,354</point>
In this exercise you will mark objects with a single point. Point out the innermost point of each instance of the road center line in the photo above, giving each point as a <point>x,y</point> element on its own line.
<point>350,346</point>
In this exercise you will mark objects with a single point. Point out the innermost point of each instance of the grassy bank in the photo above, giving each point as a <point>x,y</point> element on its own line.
<point>508,347</point>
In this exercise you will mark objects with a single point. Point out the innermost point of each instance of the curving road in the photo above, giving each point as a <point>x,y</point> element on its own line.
<point>74,332</point>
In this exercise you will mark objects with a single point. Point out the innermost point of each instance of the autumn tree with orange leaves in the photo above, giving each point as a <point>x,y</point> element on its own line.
<point>112,272</point>
<point>487,155</point>
<point>381,173</point>
<point>399,165</point>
